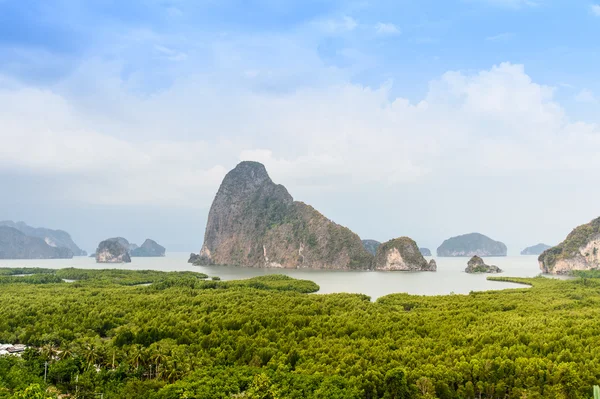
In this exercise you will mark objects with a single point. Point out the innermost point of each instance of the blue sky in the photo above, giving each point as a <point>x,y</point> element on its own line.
<point>556,40</point>
<point>116,111</point>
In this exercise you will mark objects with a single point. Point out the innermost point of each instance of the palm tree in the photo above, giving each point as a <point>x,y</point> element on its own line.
<point>49,351</point>
<point>65,353</point>
<point>158,358</point>
<point>136,356</point>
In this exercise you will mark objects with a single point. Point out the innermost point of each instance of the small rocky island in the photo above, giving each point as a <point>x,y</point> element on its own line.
<point>579,251</point>
<point>113,250</point>
<point>477,265</point>
<point>371,246</point>
<point>401,254</point>
<point>149,248</point>
<point>254,222</point>
<point>14,244</point>
<point>535,249</point>
<point>473,244</point>
<point>425,251</point>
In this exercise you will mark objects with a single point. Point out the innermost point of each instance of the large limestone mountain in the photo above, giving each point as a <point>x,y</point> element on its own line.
<point>256,223</point>
<point>401,254</point>
<point>54,238</point>
<point>579,251</point>
<point>14,244</point>
<point>470,245</point>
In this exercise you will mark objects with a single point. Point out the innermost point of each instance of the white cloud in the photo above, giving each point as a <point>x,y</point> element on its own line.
<point>586,96</point>
<point>175,146</point>
<point>170,54</point>
<point>501,37</point>
<point>595,9</point>
<point>510,3</point>
<point>386,29</point>
<point>337,25</point>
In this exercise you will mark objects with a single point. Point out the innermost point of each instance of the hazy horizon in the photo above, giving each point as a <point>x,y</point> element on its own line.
<point>421,119</point>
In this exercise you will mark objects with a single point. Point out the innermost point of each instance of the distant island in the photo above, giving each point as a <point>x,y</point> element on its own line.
<point>113,250</point>
<point>14,244</point>
<point>579,251</point>
<point>401,254</point>
<point>371,246</point>
<point>470,245</point>
<point>149,248</point>
<point>254,222</point>
<point>425,251</point>
<point>120,250</point>
<point>477,265</point>
<point>26,245</point>
<point>535,249</point>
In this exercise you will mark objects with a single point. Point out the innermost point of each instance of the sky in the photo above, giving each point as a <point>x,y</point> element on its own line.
<point>421,118</point>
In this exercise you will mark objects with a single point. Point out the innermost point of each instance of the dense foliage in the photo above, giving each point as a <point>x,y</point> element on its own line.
<point>191,338</point>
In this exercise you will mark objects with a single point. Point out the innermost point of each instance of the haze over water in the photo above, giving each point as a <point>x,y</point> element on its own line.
<point>449,278</point>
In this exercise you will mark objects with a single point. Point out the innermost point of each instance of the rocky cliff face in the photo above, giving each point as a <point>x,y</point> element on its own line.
<point>473,244</point>
<point>579,251</point>
<point>113,251</point>
<point>54,238</point>
<point>16,245</point>
<point>371,246</point>
<point>401,254</point>
<point>256,223</point>
<point>535,249</point>
<point>149,248</point>
<point>476,265</point>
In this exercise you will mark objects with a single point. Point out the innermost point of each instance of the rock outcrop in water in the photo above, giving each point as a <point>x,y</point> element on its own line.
<point>579,251</point>
<point>125,243</point>
<point>473,244</point>
<point>254,222</point>
<point>149,248</point>
<point>113,250</point>
<point>477,265</point>
<point>14,244</point>
<point>371,246</point>
<point>401,254</point>
<point>54,238</point>
<point>535,249</point>
<point>425,251</point>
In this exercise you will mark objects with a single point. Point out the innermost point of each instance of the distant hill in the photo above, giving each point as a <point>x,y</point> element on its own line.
<point>16,245</point>
<point>470,245</point>
<point>54,238</point>
<point>149,248</point>
<point>535,249</point>
<point>371,246</point>
<point>425,251</point>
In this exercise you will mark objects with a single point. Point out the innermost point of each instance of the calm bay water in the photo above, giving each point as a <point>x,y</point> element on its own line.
<point>450,277</point>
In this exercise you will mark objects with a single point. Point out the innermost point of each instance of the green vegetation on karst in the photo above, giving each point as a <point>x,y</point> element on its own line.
<point>576,239</point>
